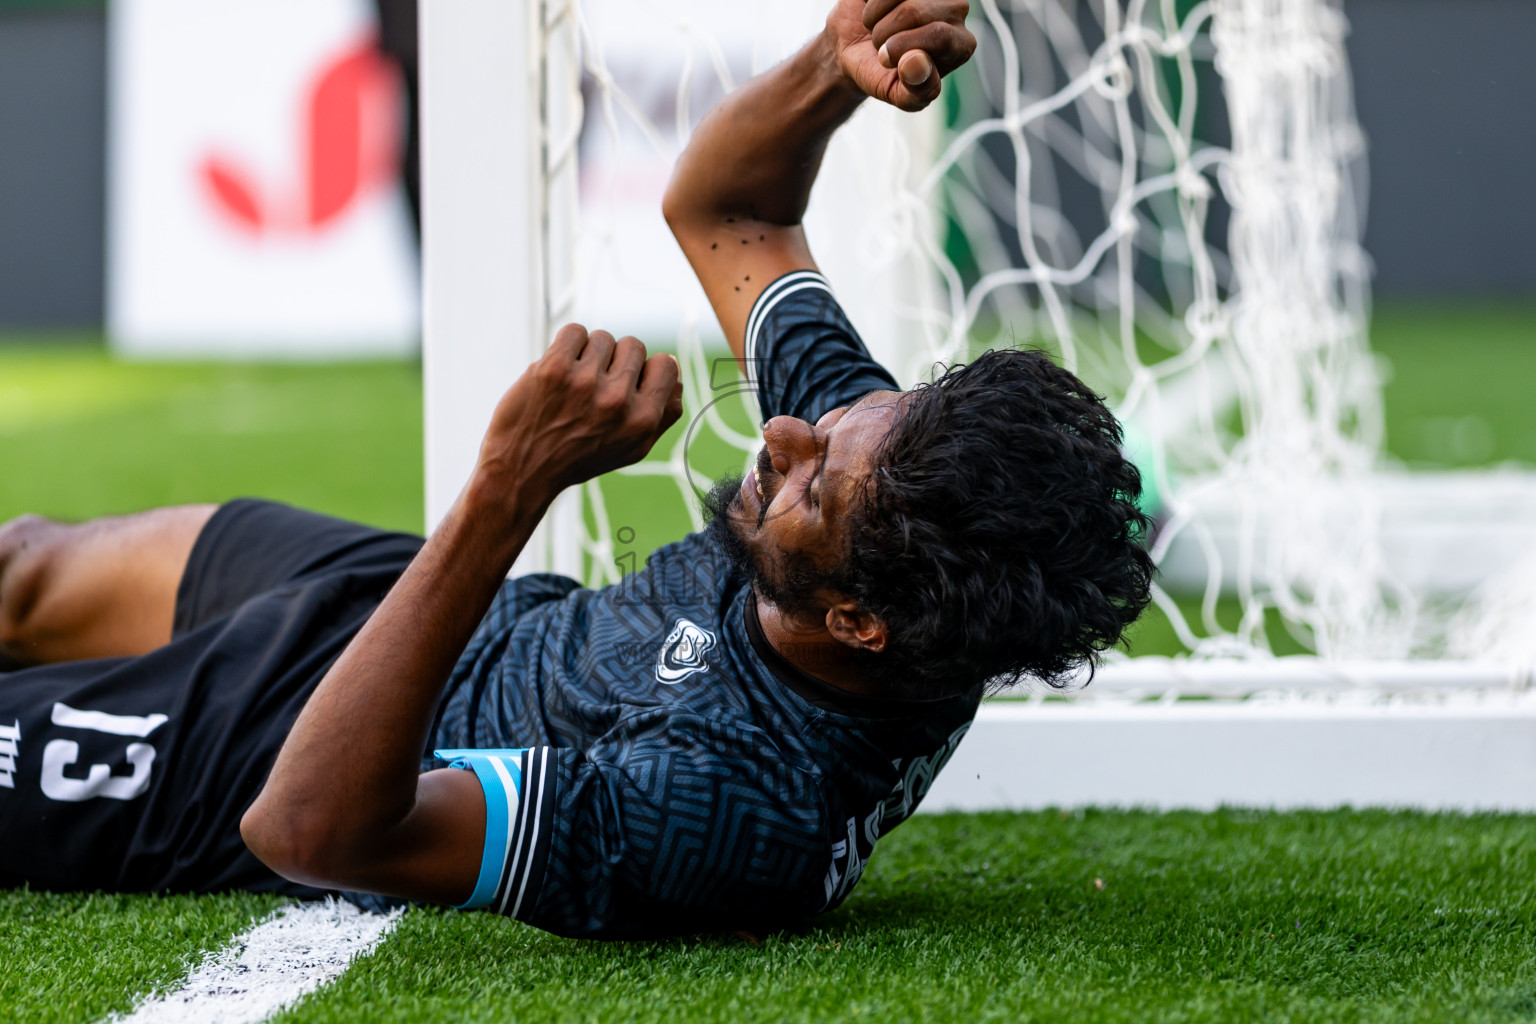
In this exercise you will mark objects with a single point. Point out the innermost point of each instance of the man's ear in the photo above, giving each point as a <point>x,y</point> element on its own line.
<point>856,627</point>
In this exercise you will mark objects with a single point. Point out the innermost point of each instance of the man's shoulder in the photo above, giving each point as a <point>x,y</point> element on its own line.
<point>803,354</point>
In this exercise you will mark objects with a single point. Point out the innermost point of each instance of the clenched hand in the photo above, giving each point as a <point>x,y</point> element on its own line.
<point>590,405</point>
<point>898,50</point>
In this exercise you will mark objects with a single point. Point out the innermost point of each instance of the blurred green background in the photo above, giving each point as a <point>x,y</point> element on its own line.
<point>83,435</point>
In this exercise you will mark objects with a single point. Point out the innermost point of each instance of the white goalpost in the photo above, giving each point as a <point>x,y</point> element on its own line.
<point>1167,193</point>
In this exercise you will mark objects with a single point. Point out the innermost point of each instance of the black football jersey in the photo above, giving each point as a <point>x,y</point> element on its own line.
<point>651,764</point>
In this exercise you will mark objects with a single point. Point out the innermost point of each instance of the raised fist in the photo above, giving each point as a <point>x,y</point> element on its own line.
<point>590,405</point>
<point>899,50</point>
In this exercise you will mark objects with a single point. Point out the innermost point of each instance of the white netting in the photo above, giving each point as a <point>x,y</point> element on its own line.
<point>1168,193</point>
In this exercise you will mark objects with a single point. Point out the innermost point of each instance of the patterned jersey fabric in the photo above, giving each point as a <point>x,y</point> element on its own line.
<point>651,765</point>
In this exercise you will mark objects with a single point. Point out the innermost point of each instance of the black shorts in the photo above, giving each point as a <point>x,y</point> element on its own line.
<point>131,774</point>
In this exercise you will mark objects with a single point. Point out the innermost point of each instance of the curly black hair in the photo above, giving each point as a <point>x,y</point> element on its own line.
<point>999,537</point>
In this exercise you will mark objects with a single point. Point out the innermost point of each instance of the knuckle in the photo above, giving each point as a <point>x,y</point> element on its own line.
<point>609,401</point>
<point>660,371</point>
<point>641,421</point>
<point>906,19</point>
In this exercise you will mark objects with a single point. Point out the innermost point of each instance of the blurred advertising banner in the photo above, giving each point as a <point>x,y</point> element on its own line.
<point>254,200</point>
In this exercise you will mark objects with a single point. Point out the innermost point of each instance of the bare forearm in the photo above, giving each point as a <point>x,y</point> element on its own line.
<point>347,774</point>
<point>344,805</point>
<point>756,155</point>
<point>740,189</point>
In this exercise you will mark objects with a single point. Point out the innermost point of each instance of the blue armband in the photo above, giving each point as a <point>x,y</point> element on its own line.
<point>501,777</point>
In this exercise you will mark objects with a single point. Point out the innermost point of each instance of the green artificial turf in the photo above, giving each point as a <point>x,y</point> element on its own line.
<point>1226,917</point>
<point>1459,381</point>
<point>72,958</point>
<point>1090,916</point>
<point>83,435</point>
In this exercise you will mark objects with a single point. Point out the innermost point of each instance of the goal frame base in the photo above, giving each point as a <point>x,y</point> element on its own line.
<point>1451,754</point>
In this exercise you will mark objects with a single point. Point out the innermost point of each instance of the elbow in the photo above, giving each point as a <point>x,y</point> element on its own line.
<point>688,205</point>
<point>298,851</point>
<point>674,208</point>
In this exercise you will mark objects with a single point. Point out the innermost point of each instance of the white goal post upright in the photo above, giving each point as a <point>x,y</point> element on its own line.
<point>486,308</point>
<point>1285,514</point>
<point>483,309</point>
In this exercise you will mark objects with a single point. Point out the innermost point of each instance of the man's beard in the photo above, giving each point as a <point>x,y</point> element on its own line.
<point>791,586</point>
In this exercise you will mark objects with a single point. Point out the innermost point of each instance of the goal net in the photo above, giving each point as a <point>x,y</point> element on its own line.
<point>1167,195</point>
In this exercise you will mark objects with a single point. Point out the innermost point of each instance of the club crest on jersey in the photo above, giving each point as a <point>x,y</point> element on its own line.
<point>683,653</point>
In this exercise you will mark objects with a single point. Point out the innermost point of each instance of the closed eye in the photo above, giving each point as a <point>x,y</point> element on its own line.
<point>813,489</point>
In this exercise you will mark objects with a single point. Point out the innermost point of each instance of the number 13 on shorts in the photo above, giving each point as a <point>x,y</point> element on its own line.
<point>61,777</point>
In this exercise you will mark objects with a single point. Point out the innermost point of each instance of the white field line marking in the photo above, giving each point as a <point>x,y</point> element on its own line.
<point>276,963</point>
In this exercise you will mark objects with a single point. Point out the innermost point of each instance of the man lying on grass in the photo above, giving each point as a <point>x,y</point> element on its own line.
<point>257,697</point>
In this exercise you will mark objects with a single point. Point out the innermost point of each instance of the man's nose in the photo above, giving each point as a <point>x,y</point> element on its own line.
<point>789,442</point>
